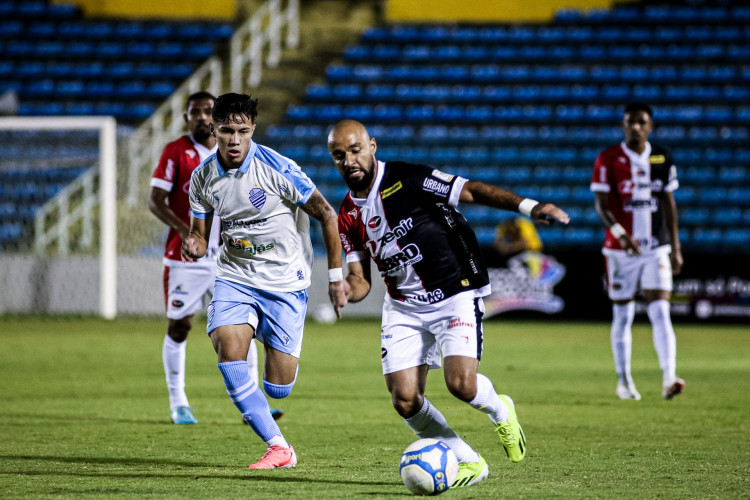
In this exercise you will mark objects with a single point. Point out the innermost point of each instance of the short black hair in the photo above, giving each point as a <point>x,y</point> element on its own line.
<point>639,106</point>
<point>230,105</point>
<point>202,94</point>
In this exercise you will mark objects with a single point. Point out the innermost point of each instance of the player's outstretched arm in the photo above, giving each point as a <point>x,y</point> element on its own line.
<point>318,208</point>
<point>605,215</point>
<point>496,197</point>
<point>196,243</point>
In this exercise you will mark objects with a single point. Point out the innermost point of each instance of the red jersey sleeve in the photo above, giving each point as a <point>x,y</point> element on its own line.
<point>351,231</point>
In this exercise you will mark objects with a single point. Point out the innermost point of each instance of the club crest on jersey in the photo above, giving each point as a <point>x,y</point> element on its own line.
<point>257,198</point>
<point>374,222</point>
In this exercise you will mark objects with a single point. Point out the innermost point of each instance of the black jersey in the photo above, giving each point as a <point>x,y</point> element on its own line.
<point>409,225</point>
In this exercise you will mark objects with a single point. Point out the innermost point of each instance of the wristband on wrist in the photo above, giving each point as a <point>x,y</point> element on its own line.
<point>617,230</point>
<point>335,275</point>
<point>527,205</point>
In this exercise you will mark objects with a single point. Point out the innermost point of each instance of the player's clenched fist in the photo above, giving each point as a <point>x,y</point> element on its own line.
<point>193,247</point>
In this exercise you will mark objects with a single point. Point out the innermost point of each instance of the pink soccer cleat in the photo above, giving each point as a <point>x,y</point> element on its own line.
<point>276,457</point>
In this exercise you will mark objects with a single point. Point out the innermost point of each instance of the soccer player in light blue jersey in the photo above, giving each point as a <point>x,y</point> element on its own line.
<point>263,200</point>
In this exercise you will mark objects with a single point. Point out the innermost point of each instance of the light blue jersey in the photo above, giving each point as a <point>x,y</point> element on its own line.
<point>266,235</point>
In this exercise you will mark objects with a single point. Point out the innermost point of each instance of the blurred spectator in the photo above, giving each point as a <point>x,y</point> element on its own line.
<point>516,235</point>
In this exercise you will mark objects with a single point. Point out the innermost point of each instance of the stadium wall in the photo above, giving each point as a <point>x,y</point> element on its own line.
<point>484,11</point>
<point>61,285</point>
<point>224,10</point>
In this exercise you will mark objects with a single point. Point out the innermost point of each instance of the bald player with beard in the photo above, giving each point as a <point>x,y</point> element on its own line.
<point>404,217</point>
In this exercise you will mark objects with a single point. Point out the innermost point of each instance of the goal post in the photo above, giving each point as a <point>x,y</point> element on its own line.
<point>104,195</point>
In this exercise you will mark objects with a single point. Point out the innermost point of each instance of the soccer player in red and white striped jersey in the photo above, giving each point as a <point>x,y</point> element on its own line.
<point>634,182</point>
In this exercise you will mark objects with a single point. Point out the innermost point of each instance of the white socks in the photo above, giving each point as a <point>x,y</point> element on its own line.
<point>430,423</point>
<point>664,338</point>
<point>173,358</point>
<point>488,402</point>
<point>622,339</point>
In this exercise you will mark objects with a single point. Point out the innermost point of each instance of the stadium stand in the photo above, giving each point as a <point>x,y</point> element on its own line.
<point>530,106</point>
<point>61,63</point>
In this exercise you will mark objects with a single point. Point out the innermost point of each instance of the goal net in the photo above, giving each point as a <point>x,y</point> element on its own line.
<point>58,248</point>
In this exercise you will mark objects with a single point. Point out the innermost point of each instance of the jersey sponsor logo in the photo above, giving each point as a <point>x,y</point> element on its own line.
<point>177,303</point>
<point>257,198</point>
<point>651,204</point>
<point>435,186</point>
<point>346,243</point>
<point>191,153</point>
<point>442,175</point>
<point>408,256</point>
<point>403,227</point>
<point>250,247</point>
<point>459,323</point>
<point>353,212</point>
<point>228,224</point>
<point>300,275</point>
<point>656,159</point>
<point>178,291</point>
<point>428,298</point>
<point>385,193</point>
<point>374,222</point>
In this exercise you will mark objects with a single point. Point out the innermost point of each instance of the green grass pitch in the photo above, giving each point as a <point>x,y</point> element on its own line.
<point>84,414</point>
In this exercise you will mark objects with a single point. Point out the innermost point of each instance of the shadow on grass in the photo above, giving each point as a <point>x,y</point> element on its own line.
<point>94,461</point>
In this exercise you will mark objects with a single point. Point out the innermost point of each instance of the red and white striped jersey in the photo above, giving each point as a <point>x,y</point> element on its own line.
<point>633,182</point>
<point>409,226</point>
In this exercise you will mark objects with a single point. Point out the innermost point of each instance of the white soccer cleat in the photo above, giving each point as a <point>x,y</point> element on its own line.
<point>671,390</point>
<point>627,391</point>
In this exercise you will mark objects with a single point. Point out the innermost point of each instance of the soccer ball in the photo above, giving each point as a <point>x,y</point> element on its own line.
<point>324,313</point>
<point>428,467</point>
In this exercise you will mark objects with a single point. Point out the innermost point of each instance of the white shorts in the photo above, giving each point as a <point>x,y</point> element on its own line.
<point>627,274</point>
<point>416,335</point>
<point>184,288</point>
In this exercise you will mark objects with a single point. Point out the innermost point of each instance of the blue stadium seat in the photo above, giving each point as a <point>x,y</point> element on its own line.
<point>707,238</point>
<point>733,175</point>
<point>739,237</point>
<point>725,216</point>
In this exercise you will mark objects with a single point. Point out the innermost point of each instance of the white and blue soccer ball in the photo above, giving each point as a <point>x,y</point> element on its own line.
<point>428,467</point>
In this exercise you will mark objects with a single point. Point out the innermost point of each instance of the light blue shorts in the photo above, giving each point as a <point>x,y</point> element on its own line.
<point>277,317</point>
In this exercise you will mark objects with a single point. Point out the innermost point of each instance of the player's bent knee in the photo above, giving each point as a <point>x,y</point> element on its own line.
<point>277,391</point>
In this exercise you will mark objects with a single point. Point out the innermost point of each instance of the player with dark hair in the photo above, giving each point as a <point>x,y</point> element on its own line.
<point>634,182</point>
<point>263,200</point>
<point>404,217</point>
<point>185,283</point>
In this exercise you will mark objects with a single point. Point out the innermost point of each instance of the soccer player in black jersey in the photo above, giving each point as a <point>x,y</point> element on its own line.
<point>404,217</point>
